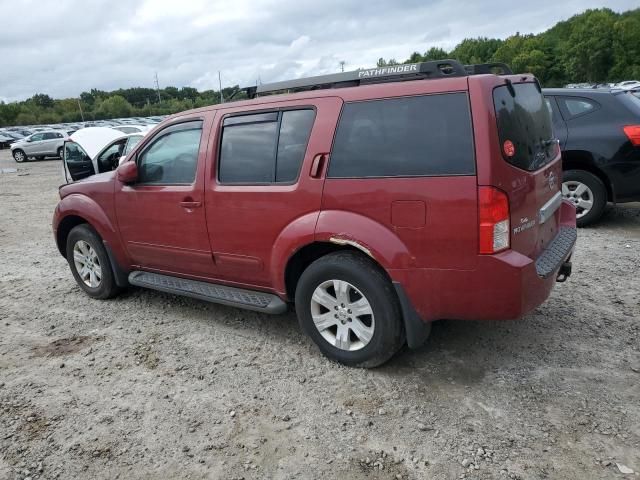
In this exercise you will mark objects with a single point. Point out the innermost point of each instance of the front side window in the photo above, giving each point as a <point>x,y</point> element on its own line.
<point>404,137</point>
<point>172,158</point>
<point>37,137</point>
<point>264,148</point>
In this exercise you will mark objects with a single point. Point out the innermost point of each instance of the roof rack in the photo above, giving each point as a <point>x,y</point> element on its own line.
<point>391,73</point>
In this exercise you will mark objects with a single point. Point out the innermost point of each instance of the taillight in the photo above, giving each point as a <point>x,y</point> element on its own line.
<point>633,132</point>
<point>493,216</point>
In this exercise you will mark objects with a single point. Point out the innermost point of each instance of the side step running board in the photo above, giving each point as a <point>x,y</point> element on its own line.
<point>210,292</point>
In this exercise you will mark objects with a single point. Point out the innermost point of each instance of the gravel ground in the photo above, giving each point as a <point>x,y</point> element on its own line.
<point>150,385</point>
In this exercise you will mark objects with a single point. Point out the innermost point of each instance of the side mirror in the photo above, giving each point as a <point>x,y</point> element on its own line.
<point>121,160</point>
<point>127,172</point>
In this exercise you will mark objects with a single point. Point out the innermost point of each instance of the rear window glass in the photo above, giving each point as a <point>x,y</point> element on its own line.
<point>428,135</point>
<point>524,120</point>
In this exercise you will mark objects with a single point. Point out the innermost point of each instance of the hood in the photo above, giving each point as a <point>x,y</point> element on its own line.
<point>94,139</point>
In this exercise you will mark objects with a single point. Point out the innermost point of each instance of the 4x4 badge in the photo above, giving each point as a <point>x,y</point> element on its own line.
<point>552,181</point>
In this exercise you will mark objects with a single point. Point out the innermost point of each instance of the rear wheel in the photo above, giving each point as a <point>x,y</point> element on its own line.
<point>587,193</point>
<point>349,308</point>
<point>89,262</point>
<point>19,156</point>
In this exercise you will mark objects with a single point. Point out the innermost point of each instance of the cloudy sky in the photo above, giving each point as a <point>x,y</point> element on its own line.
<point>64,47</point>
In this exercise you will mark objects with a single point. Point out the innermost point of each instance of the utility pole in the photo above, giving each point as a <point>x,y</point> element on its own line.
<point>342,63</point>
<point>157,87</point>
<point>220,83</point>
<point>80,107</point>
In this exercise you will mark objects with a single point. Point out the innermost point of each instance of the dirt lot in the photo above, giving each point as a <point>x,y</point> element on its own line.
<point>150,385</point>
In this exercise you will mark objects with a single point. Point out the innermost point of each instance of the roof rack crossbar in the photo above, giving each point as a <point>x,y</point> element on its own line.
<point>391,73</point>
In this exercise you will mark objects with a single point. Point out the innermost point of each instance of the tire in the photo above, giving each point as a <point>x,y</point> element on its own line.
<point>19,156</point>
<point>381,332</point>
<point>61,152</point>
<point>81,237</point>
<point>584,190</point>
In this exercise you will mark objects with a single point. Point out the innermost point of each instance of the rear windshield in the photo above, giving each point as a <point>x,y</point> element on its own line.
<point>631,100</point>
<point>524,126</point>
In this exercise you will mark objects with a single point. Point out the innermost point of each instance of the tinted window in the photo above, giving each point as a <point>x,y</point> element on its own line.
<point>37,137</point>
<point>172,157</point>
<point>292,144</point>
<point>578,106</point>
<point>414,136</point>
<point>524,120</point>
<point>265,147</point>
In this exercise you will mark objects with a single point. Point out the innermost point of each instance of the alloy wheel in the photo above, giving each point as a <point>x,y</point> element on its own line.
<point>580,195</point>
<point>342,315</point>
<point>87,264</point>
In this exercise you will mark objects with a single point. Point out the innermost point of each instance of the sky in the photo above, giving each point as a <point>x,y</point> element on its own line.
<point>65,47</point>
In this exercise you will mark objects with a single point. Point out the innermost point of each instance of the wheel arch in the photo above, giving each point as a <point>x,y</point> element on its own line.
<point>582,160</point>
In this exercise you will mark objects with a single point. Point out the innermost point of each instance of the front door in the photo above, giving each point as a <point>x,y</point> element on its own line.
<point>161,217</point>
<point>34,146</point>
<point>265,179</point>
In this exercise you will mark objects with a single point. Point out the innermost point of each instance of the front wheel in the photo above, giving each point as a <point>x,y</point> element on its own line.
<point>19,156</point>
<point>89,262</point>
<point>587,193</point>
<point>349,308</point>
<point>61,152</point>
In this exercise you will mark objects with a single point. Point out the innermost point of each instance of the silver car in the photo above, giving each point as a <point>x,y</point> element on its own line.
<point>49,143</point>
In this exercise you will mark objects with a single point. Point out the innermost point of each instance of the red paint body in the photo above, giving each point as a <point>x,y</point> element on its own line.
<point>422,231</point>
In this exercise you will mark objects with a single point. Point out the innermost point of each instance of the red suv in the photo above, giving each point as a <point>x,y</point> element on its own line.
<point>376,201</point>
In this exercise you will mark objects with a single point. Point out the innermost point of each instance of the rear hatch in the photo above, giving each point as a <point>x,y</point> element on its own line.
<point>533,179</point>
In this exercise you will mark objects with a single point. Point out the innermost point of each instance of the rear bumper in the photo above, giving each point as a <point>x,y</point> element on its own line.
<point>502,287</point>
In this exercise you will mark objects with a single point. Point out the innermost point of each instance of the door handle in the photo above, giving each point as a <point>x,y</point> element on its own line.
<point>190,204</point>
<point>317,165</point>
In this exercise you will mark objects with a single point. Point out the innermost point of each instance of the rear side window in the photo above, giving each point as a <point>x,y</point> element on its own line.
<point>264,147</point>
<point>578,106</point>
<point>524,126</point>
<point>428,135</point>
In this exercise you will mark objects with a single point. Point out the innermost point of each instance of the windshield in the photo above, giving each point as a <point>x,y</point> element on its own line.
<point>524,126</point>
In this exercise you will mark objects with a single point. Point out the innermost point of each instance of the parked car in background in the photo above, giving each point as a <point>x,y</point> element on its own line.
<point>39,145</point>
<point>95,150</point>
<point>376,209</point>
<point>599,132</point>
<point>132,128</point>
<point>628,85</point>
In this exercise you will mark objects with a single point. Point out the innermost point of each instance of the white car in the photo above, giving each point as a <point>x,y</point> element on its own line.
<point>132,128</point>
<point>94,150</point>
<point>628,85</point>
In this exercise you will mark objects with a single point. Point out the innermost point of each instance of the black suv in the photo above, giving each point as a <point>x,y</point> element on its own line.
<point>599,132</point>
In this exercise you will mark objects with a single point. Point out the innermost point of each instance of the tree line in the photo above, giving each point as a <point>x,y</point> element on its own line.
<point>595,46</point>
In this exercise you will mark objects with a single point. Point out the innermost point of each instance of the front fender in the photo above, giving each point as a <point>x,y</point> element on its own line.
<point>371,237</point>
<point>78,205</point>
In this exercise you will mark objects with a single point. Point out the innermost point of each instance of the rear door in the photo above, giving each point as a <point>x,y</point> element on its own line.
<point>262,181</point>
<point>528,167</point>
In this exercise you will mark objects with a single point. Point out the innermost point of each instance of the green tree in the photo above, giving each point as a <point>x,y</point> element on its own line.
<point>114,107</point>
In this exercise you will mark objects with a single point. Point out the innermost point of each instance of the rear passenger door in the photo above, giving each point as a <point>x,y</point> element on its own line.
<point>263,180</point>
